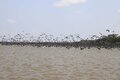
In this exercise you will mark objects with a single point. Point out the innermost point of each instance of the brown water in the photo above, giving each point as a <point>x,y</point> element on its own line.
<point>31,63</point>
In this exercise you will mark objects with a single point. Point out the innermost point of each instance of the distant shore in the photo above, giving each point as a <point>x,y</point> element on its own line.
<point>103,41</point>
<point>62,44</point>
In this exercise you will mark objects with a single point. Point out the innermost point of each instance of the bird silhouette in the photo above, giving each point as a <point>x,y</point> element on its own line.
<point>108,30</point>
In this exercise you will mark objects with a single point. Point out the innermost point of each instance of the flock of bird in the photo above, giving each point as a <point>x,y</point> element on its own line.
<point>44,40</point>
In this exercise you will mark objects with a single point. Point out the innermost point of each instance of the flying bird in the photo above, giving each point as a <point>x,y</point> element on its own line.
<point>108,30</point>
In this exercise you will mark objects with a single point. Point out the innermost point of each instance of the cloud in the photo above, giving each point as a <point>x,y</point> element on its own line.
<point>118,10</point>
<point>63,3</point>
<point>11,21</point>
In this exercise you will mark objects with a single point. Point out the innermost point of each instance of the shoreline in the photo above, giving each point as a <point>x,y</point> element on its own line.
<point>67,45</point>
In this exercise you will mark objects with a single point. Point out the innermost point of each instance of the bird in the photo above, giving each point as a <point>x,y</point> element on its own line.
<point>108,30</point>
<point>81,48</point>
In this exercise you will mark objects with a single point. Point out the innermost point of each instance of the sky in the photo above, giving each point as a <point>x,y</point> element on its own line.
<point>84,17</point>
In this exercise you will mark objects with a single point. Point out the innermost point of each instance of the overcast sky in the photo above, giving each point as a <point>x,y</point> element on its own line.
<point>56,17</point>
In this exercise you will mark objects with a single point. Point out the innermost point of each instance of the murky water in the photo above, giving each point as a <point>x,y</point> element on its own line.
<point>32,63</point>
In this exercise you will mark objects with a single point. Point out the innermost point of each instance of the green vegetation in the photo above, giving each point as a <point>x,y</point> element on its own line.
<point>111,40</point>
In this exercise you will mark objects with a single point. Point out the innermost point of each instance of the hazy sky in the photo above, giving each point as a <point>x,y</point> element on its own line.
<point>55,17</point>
